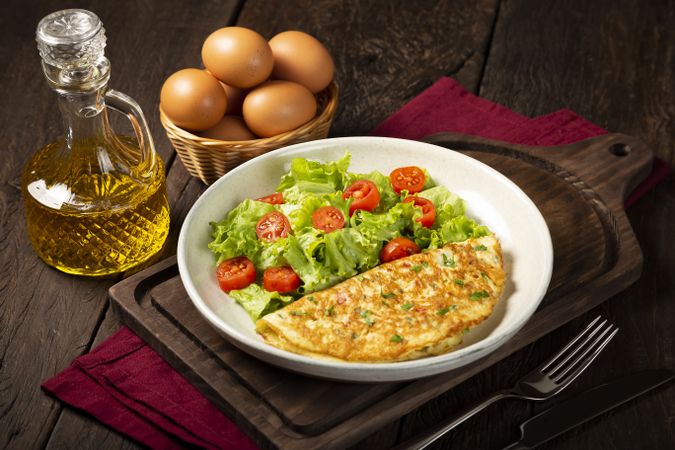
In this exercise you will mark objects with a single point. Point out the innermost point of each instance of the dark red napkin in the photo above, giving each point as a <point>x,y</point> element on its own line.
<point>127,386</point>
<point>447,106</point>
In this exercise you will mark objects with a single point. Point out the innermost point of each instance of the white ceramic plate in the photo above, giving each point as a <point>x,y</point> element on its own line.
<point>491,198</point>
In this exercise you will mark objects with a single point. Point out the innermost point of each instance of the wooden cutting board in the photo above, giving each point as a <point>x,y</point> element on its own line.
<point>579,189</point>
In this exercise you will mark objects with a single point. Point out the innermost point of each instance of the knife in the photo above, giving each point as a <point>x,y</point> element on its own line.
<point>587,405</point>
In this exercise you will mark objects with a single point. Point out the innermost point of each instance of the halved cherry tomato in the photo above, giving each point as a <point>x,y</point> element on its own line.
<point>272,226</point>
<point>273,199</point>
<point>365,194</point>
<point>399,247</point>
<point>428,210</point>
<point>328,218</point>
<point>410,178</point>
<point>235,273</point>
<point>281,279</point>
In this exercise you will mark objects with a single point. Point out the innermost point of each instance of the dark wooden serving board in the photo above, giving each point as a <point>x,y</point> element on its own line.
<point>579,188</point>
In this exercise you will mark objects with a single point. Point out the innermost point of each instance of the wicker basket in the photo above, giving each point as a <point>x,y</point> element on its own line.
<point>209,159</point>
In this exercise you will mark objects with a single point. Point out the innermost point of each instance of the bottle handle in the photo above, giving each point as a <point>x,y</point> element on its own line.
<point>126,105</point>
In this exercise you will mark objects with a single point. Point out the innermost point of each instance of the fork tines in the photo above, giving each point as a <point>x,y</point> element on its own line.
<point>580,352</point>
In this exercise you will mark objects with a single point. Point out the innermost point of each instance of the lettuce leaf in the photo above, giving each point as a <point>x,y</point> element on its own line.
<point>451,224</point>
<point>386,226</point>
<point>322,260</point>
<point>314,177</point>
<point>306,254</point>
<point>271,254</point>
<point>258,302</point>
<point>461,228</point>
<point>236,236</point>
<point>448,205</point>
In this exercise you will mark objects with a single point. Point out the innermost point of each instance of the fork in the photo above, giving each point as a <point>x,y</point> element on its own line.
<point>542,383</point>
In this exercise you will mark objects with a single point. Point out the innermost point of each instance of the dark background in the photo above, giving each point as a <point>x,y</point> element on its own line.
<point>611,61</point>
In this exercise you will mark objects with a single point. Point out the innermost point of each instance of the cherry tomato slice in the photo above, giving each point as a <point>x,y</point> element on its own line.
<point>281,279</point>
<point>410,178</point>
<point>428,210</point>
<point>235,273</point>
<point>365,194</point>
<point>399,247</point>
<point>328,219</point>
<point>272,226</point>
<point>273,199</point>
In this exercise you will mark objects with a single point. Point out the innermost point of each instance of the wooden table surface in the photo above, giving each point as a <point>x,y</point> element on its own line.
<point>611,61</point>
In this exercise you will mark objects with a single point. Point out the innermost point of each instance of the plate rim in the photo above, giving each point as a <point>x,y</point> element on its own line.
<point>359,371</point>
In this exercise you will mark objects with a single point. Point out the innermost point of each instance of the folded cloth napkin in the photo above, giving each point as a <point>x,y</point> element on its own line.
<point>127,386</point>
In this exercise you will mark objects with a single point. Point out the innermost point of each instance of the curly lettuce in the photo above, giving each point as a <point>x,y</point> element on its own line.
<point>323,259</point>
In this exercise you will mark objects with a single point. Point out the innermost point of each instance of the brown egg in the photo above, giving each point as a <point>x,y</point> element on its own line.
<point>230,128</point>
<point>238,56</point>
<point>278,106</point>
<point>301,58</point>
<point>193,99</point>
<point>235,98</point>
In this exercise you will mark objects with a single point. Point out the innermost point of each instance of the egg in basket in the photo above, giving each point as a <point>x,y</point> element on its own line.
<point>252,97</point>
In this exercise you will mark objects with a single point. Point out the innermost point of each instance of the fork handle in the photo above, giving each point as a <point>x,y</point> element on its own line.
<point>423,439</point>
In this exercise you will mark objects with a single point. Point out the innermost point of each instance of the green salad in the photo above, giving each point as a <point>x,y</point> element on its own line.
<point>325,224</point>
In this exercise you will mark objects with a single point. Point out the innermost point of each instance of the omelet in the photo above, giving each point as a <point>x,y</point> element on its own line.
<point>409,308</point>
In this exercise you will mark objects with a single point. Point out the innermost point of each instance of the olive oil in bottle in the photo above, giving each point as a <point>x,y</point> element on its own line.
<point>95,201</point>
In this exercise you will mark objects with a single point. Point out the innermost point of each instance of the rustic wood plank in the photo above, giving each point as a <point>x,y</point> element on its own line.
<point>373,67</point>
<point>338,418</point>
<point>309,405</point>
<point>613,63</point>
<point>146,32</point>
<point>537,68</point>
<point>74,429</point>
<point>499,432</point>
<point>385,52</point>
<point>34,314</point>
<point>391,53</point>
<point>645,315</point>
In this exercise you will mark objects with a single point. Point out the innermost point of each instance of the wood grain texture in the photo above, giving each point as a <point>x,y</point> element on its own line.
<point>307,405</point>
<point>43,311</point>
<point>37,303</point>
<point>372,66</point>
<point>281,409</point>
<point>644,313</point>
<point>74,429</point>
<point>386,39</point>
<point>613,63</point>
<point>385,52</point>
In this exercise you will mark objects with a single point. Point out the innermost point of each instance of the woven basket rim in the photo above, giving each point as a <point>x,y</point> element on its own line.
<point>328,110</point>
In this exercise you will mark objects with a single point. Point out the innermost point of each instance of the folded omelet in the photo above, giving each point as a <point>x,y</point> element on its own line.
<point>413,307</point>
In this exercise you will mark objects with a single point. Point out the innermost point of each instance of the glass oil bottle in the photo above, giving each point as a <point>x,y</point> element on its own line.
<point>95,201</point>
